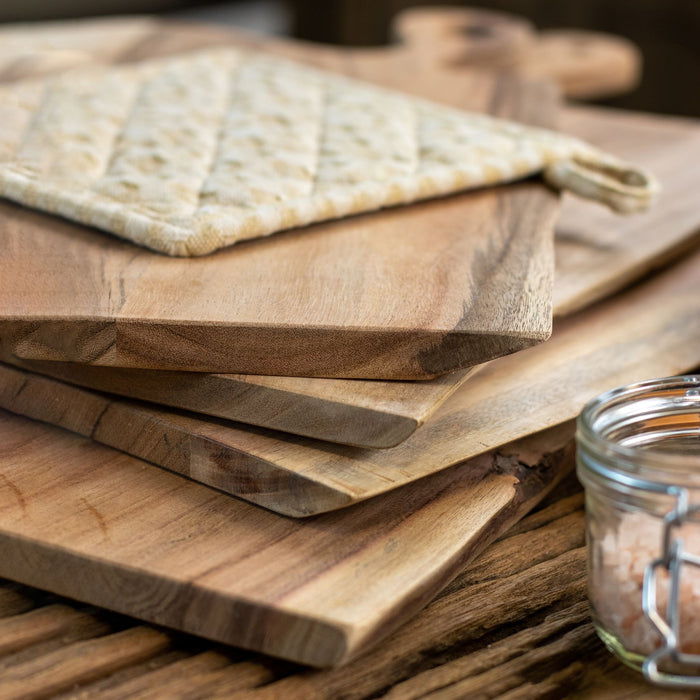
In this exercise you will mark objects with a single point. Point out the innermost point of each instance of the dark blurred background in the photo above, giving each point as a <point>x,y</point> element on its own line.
<point>666,31</point>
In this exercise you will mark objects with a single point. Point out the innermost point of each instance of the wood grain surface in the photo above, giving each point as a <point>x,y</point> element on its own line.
<point>596,254</point>
<point>650,330</point>
<point>514,624</point>
<point>79,519</point>
<point>406,293</point>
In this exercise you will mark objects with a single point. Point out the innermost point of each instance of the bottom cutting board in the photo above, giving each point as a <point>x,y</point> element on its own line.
<point>91,523</point>
<point>651,330</point>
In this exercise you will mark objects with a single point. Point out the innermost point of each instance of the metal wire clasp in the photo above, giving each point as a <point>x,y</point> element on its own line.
<point>672,558</point>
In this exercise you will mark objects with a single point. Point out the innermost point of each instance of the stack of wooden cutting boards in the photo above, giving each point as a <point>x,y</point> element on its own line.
<point>396,449</point>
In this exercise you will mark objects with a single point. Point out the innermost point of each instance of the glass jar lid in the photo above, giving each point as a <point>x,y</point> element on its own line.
<point>644,435</point>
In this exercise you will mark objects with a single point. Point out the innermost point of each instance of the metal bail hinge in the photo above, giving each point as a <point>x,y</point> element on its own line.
<point>672,559</point>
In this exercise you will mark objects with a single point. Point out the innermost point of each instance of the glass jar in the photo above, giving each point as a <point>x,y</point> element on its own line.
<point>638,457</point>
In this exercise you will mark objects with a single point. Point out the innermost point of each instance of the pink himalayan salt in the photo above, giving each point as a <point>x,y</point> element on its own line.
<point>619,559</point>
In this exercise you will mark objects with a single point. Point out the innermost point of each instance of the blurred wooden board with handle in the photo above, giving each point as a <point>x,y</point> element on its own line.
<point>584,64</point>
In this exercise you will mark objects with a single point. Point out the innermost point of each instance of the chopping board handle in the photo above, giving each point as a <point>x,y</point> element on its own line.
<point>456,36</point>
<point>585,64</point>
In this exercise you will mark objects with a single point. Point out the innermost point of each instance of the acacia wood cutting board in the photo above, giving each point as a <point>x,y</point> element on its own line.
<point>596,252</point>
<point>79,519</point>
<point>410,292</point>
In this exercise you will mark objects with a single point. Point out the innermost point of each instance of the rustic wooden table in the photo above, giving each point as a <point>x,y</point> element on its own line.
<point>514,624</point>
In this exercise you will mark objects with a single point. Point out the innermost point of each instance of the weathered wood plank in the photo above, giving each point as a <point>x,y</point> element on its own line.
<point>216,675</point>
<point>46,622</point>
<point>521,660</point>
<point>80,662</point>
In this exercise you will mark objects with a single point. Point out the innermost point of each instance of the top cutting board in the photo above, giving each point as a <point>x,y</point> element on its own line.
<point>412,292</point>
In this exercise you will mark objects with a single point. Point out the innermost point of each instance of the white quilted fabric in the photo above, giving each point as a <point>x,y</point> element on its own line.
<point>192,153</point>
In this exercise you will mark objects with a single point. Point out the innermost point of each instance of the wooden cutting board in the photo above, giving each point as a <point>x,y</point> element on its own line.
<point>359,412</point>
<point>79,519</point>
<point>410,292</point>
<point>651,330</point>
<point>596,253</point>
<point>514,623</point>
